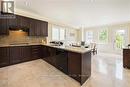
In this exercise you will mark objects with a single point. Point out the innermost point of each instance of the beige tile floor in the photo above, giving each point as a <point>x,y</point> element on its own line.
<point>107,71</point>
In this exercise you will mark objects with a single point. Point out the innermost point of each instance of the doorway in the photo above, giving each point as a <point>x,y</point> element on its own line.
<point>120,39</point>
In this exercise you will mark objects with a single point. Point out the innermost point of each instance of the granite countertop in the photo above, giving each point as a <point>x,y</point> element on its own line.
<point>67,48</point>
<point>70,48</point>
<point>126,48</point>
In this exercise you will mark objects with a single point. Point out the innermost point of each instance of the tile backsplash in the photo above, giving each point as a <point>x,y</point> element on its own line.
<point>20,37</point>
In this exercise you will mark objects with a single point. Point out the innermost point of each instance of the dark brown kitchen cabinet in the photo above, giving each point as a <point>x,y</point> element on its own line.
<point>79,66</point>
<point>26,53</point>
<point>35,52</point>
<point>33,26</point>
<point>20,54</point>
<point>74,65</point>
<point>12,22</point>
<point>45,52</point>
<point>43,28</point>
<point>23,21</point>
<point>15,55</point>
<point>126,58</point>
<point>19,22</point>
<point>49,55</point>
<point>4,28</point>
<point>56,57</point>
<point>4,56</point>
<point>38,28</point>
<point>62,61</point>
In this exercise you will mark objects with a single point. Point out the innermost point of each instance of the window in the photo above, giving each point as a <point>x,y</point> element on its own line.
<point>58,33</point>
<point>89,36</point>
<point>55,34</point>
<point>103,36</point>
<point>120,39</point>
<point>62,34</point>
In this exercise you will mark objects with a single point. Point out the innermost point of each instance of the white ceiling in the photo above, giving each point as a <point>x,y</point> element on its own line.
<point>79,13</point>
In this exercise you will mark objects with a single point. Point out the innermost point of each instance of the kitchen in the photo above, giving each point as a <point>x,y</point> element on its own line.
<point>48,48</point>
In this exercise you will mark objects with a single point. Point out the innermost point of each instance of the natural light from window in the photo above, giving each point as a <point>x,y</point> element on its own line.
<point>89,36</point>
<point>58,33</point>
<point>103,36</point>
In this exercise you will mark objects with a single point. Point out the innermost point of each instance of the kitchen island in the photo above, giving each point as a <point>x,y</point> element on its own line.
<point>73,61</point>
<point>126,58</point>
<point>78,61</point>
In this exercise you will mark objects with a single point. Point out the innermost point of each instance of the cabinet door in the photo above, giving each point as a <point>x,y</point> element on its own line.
<point>19,21</point>
<point>25,22</point>
<point>44,28</point>
<point>52,56</point>
<point>12,22</point>
<point>49,55</point>
<point>4,27</point>
<point>26,53</point>
<point>15,55</point>
<point>32,28</point>
<point>38,28</point>
<point>74,65</point>
<point>4,56</point>
<point>45,52</point>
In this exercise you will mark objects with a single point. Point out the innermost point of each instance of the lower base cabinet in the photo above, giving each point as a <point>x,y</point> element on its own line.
<point>36,52</point>
<point>126,58</point>
<point>20,54</point>
<point>55,57</point>
<point>62,62</point>
<point>26,53</point>
<point>74,65</point>
<point>4,56</point>
<point>17,54</point>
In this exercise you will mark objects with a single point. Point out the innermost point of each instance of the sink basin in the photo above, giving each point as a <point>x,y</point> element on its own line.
<point>76,46</point>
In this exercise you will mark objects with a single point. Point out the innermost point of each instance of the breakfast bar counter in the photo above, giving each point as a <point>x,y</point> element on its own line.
<point>78,62</point>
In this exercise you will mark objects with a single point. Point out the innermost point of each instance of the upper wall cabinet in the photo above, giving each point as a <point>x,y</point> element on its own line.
<point>18,22</point>
<point>38,28</point>
<point>22,22</point>
<point>33,26</point>
<point>4,28</point>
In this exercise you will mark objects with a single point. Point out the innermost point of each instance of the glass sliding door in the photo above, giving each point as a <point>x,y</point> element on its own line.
<point>120,39</point>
